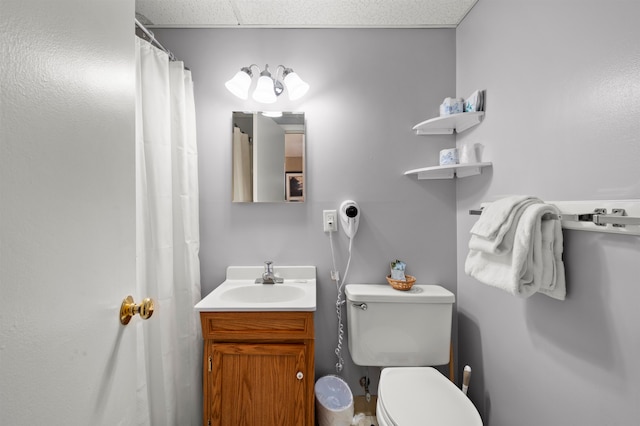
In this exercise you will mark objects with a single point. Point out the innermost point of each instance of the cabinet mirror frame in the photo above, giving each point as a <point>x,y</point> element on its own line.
<point>268,157</point>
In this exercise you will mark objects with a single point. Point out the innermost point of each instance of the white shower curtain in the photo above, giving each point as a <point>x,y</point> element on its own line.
<point>242,180</point>
<point>167,242</point>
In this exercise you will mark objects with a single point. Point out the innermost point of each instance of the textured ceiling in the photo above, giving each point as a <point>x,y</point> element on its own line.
<point>302,13</point>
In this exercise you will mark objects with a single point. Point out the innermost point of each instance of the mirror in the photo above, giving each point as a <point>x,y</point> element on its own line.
<point>268,157</point>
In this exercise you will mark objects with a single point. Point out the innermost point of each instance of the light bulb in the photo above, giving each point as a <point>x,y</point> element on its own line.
<point>264,92</point>
<point>295,86</point>
<point>272,114</point>
<point>239,84</point>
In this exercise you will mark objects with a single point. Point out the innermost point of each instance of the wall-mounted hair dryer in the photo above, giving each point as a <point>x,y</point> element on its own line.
<point>349,217</point>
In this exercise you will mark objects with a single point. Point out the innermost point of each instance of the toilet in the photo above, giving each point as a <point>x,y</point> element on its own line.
<point>407,332</point>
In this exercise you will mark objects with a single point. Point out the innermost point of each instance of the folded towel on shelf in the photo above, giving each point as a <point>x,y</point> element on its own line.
<point>495,229</point>
<point>533,260</point>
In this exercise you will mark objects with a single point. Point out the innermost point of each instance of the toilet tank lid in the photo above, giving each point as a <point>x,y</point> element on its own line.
<point>421,293</point>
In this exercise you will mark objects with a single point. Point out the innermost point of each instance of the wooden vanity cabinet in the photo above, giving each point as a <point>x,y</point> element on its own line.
<point>258,368</point>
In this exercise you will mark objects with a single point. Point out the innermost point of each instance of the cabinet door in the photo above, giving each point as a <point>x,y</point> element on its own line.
<point>258,384</point>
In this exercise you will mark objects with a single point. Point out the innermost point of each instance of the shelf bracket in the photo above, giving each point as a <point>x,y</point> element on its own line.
<point>468,171</point>
<point>437,174</point>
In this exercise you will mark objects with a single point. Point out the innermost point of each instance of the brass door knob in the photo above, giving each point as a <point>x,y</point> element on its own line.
<point>129,308</point>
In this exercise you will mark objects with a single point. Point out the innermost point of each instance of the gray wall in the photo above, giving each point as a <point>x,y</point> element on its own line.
<point>562,123</point>
<point>368,88</point>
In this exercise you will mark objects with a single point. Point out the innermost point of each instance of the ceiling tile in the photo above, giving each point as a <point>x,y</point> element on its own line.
<point>304,13</point>
<point>187,13</point>
<point>354,13</point>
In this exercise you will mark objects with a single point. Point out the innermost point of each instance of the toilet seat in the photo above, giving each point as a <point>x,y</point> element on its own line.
<point>421,396</point>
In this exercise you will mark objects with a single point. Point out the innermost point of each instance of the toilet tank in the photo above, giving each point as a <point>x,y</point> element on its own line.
<point>388,327</point>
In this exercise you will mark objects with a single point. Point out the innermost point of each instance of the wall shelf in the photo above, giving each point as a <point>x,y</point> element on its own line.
<point>448,172</point>
<point>446,124</point>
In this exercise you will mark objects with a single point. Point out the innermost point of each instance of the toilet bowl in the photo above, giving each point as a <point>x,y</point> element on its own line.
<point>406,332</point>
<point>422,396</point>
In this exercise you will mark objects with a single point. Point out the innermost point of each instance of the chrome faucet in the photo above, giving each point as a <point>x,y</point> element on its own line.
<point>268,277</point>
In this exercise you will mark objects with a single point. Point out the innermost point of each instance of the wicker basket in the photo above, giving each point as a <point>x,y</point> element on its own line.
<point>402,285</point>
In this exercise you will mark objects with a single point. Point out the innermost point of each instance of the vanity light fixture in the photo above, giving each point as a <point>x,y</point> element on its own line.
<point>268,88</point>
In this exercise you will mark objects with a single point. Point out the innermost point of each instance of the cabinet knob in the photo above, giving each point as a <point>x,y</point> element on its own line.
<point>299,376</point>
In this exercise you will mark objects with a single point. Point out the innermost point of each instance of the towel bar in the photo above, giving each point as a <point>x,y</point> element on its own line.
<point>599,217</point>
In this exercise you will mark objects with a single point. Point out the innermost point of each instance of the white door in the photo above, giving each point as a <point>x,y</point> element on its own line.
<point>268,160</point>
<point>67,212</point>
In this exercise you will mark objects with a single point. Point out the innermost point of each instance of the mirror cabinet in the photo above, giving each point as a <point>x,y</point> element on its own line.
<point>268,157</point>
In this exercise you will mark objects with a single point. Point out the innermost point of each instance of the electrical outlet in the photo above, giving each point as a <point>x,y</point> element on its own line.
<point>330,220</point>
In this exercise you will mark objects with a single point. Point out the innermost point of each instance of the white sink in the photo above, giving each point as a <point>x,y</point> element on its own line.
<point>239,292</point>
<point>264,293</point>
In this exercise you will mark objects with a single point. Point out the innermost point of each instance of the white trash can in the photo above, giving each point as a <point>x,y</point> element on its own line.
<point>334,402</point>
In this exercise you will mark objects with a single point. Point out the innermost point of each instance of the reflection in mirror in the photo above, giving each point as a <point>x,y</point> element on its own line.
<point>268,157</point>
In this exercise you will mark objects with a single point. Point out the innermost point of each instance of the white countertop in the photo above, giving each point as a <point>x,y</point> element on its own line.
<point>239,292</point>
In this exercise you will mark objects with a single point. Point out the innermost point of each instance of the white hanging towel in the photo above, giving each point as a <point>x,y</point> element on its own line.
<point>528,257</point>
<point>495,229</point>
<point>553,282</point>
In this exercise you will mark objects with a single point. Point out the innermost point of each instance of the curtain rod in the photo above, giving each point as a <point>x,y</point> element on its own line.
<point>152,40</point>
